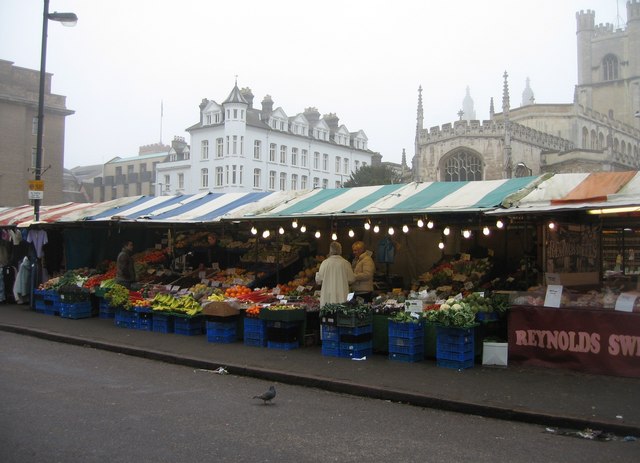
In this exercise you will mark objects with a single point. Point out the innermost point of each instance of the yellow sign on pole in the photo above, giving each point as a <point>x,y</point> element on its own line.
<point>36,189</point>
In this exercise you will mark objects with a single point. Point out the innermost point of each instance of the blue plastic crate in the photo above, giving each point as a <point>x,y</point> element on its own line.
<point>142,321</point>
<point>162,323</point>
<point>224,339</point>
<point>398,357</point>
<point>283,345</point>
<point>411,350</point>
<point>221,325</point>
<point>355,330</point>
<point>52,309</point>
<point>40,305</point>
<point>456,365</point>
<point>454,347</point>
<point>124,319</point>
<point>51,295</point>
<point>189,326</point>
<point>216,329</point>
<point>453,355</point>
<point>358,354</point>
<point>406,330</point>
<point>255,342</point>
<point>75,310</point>
<point>188,331</point>
<point>254,324</point>
<point>283,324</point>
<point>454,335</point>
<point>400,341</point>
<point>106,311</point>
<point>486,316</point>
<point>334,345</point>
<point>329,352</point>
<point>329,333</point>
<point>356,346</point>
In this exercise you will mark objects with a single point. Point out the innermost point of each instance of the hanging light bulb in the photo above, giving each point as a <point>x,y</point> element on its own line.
<point>552,225</point>
<point>486,231</point>
<point>466,233</point>
<point>430,224</point>
<point>334,236</point>
<point>351,233</point>
<point>441,245</point>
<point>500,223</point>
<point>420,223</point>
<point>281,230</point>
<point>254,231</point>
<point>266,233</point>
<point>317,235</point>
<point>391,231</point>
<point>294,224</point>
<point>446,231</point>
<point>376,229</point>
<point>303,228</point>
<point>405,229</point>
<point>367,225</point>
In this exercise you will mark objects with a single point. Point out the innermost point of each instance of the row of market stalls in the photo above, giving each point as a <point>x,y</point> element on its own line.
<point>576,234</point>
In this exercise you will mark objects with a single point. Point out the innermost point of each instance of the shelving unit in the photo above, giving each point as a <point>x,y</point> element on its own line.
<point>620,252</point>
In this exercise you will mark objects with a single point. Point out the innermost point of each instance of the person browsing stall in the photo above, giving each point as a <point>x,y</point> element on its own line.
<point>335,275</point>
<point>363,268</point>
<point>125,268</point>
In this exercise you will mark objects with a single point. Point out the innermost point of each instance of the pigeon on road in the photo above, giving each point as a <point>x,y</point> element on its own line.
<point>267,396</point>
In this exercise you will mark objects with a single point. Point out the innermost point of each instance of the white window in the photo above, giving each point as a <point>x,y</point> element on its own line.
<point>283,181</point>
<point>204,178</point>
<point>204,150</point>
<point>219,176</point>
<point>234,174</point>
<point>325,162</point>
<point>228,145</point>
<point>294,181</point>
<point>257,149</point>
<point>338,164</point>
<point>181,181</point>
<point>303,182</point>
<point>303,158</point>
<point>34,126</point>
<point>217,118</point>
<point>272,152</point>
<point>356,164</point>
<point>235,113</point>
<point>316,160</point>
<point>226,172</point>
<point>283,154</point>
<point>219,148</point>
<point>325,183</point>
<point>346,166</point>
<point>167,182</point>
<point>241,145</point>
<point>294,156</point>
<point>208,119</point>
<point>240,170</point>
<point>272,179</point>
<point>235,144</point>
<point>256,178</point>
<point>316,182</point>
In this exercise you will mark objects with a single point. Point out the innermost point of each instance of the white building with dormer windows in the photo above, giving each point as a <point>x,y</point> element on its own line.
<point>238,148</point>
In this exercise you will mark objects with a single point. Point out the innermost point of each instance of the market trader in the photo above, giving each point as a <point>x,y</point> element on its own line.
<point>335,275</point>
<point>125,269</point>
<point>363,269</point>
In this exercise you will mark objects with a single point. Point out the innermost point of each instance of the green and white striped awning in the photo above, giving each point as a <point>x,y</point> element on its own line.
<point>411,198</point>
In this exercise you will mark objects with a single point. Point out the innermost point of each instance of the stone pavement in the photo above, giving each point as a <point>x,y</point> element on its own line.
<point>543,396</point>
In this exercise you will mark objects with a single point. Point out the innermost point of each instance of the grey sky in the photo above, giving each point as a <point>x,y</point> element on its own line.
<point>360,59</point>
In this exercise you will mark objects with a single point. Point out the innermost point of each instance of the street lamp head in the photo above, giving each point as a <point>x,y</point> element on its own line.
<point>67,19</point>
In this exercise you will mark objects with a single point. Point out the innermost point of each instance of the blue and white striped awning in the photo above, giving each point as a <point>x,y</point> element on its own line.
<point>411,198</point>
<point>195,208</point>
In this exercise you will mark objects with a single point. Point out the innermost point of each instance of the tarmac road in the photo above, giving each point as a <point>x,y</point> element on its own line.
<point>66,403</point>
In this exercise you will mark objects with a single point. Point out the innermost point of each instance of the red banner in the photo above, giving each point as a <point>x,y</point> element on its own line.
<point>594,341</point>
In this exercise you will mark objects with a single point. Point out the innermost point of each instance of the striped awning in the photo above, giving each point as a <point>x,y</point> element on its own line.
<point>574,192</point>
<point>411,198</point>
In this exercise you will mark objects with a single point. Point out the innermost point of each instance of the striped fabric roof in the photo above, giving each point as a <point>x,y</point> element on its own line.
<point>411,198</point>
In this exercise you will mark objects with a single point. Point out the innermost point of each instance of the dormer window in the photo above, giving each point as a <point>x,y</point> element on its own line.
<point>208,119</point>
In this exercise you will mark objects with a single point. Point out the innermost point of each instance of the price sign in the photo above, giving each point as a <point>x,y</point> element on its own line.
<point>553,296</point>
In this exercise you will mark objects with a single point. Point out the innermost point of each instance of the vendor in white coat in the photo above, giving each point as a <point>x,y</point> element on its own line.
<point>335,275</point>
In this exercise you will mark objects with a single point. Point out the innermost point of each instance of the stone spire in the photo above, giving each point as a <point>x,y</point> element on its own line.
<point>467,107</point>
<point>508,168</point>
<point>527,95</point>
<point>492,111</point>
<point>505,96</point>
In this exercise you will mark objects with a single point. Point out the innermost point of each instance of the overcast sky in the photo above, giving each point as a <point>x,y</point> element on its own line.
<point>361,59</point>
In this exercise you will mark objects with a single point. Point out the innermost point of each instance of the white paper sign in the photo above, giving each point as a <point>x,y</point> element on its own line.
<point>202,274</point>
<point>552,279</point>
<point>286,248</point>
<point>300,289</point>
<point>414,305</point>
<point>625,302</point>
<point>553,296</point>
<point>350,297</point>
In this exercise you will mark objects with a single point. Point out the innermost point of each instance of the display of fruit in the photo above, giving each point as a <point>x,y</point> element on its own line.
<point>254,311</point>
<point>236,291</point>
<point>182,304</point>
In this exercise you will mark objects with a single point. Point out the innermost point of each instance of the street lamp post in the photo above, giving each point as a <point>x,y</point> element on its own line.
<point>67,19</point>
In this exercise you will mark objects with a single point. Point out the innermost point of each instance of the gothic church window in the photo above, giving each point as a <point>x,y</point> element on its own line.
<point>462,166</point>
<point>610,67</point>
<point>585,135</point>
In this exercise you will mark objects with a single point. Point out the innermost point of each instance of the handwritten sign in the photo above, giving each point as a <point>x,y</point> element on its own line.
<point>553,296</point>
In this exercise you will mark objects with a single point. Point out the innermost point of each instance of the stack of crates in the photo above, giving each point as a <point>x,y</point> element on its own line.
<point>75,310</point>
<point>283,335</point>
<point>455,347</point>
<point>406,341</point>
<point>125,319</point>
<point>222,331</point>
<point>162,323</point>
<point>104,309</point>
<point>355,341</point>
<point>255,332</point>
<point>142,319</point>
<point>51,302</point>
<point>330,337</point>
<point>188,326</point>
<point>38,299</point>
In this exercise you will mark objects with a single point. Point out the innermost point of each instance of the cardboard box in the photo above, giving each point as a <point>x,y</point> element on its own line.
<point>219,309</point>
<point>495,353</point>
